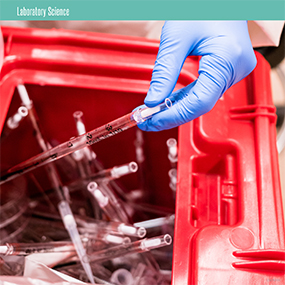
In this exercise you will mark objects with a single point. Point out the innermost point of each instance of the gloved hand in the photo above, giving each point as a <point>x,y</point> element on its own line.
<point>227,57</point>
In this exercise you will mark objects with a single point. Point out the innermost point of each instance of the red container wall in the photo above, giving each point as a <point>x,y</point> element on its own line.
<point>229,225</point>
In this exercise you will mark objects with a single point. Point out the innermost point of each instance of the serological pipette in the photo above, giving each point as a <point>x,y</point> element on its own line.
<point>102,237</point>
<point>24,249</point>
<point>108,202</point>
<point>115,172</point>
<point>140,158</point>
<point>103,201</point>
<point>172,151</point>
<point>158,222</point>
<point>110,129</point>
<point>30,248</point>
<point>117,228</point>
<point>172,173</point>
<point>70,225</point>
<point>106,175</point>
<point>134,247</point>
<point>63,206</point>
<point>85,156</point>
<point>13,121</point>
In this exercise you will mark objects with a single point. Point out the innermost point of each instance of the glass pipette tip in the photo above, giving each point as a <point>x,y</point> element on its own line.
<point>134,247</point>
<point>70,225</point>
<point>112,128</point>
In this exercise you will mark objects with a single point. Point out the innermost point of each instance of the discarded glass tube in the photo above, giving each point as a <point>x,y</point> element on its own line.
<point>172,151</point>
<point>116,228</point>
<point>83,156</point>
<point>14,121</point>
<point>70,225</point>
<point>103,201</point>
<point>117,203</point>
<point>115,172</point>
<point>134,247</point>
<point>172,173</point>
<point>158,222</point>
<point>29,248</point>
<point>110,129</point>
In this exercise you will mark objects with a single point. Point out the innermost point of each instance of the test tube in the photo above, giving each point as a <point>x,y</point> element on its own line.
<point>134,247</point>
<point>172,151</point>
<point>14,121</point>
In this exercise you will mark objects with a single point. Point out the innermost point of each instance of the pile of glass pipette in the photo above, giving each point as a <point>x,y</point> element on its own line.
<point>109,234</point>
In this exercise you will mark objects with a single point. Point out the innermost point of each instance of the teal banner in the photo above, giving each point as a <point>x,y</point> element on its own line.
<point>142,10</point>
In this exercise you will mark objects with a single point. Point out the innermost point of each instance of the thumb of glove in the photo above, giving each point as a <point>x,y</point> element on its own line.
<point>170,59</point>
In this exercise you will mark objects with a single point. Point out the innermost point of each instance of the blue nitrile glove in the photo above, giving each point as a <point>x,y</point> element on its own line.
<point>227,57</point>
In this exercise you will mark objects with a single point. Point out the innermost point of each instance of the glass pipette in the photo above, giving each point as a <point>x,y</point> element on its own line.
<point>63,206</point>
<point>134,247</point>
<point>13,122</point>
<point>117,228</point>
<point>115,172</point>
<point>29,248</point>
<point>70,225</point>
<point>158,222</point>
<point>110,129</point>
<point>172,173</point>
<point>172,151</point>
<point>84,156</point>
<point>101,237</point>
<point>105,175</point>
<point>103,201</point>
<point>24,249</point>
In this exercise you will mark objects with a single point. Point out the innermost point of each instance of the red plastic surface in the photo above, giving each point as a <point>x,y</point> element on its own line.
<point>229,221</point>
<point>229,224</point>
